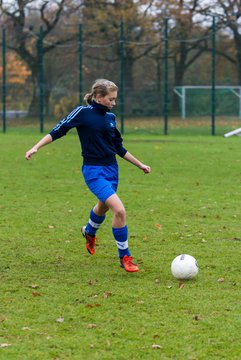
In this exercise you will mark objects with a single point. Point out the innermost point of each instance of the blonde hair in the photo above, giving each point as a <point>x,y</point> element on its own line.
<point>100,87</point>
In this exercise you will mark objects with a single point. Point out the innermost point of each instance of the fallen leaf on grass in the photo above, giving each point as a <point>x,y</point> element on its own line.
<point>34,286</point>
<point>181,285</point>
<point>60,320</point>
<point>26,328</point>
<point>156,346</point>
<point>221,280</point>
<point>4,345</point>
<point>108,343</point>
<point>90,306</point>
<point>51,227</point>
<point>91,326</point>
<point>35,293</point>
<point>107,294</point>
<point>93,282</point>
<point>158,226</point>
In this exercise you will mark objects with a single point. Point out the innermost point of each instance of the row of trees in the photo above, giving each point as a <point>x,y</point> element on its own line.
<point>190,25</point>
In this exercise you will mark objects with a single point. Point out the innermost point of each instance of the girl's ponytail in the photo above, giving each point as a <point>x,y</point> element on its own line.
<point>88,98</point>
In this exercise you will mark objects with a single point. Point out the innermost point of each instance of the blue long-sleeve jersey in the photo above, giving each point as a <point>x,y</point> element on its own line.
<point>96,126</point>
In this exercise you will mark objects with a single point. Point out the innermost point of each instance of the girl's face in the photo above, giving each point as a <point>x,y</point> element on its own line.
<point>108,100</point>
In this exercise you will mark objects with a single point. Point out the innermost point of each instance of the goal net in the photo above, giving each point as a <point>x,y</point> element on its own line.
<point>197,100</point>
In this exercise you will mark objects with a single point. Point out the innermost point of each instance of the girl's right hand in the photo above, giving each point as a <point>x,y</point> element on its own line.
<point>31,152</point>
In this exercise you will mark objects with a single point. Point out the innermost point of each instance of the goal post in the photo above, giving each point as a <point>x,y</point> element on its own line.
<point>183,92</point>
<point>233,132</point>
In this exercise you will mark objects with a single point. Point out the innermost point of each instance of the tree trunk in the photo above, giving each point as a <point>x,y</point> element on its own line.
<point>47,93</point>
<point>179,74</point>
<point>34,107</point>
<point>129,84</point>
<point>159,81</point>
<point>237,39</point>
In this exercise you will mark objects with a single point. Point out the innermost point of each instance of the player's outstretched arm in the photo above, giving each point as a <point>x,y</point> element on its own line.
<point>129,157</point>
<point>44,141</point>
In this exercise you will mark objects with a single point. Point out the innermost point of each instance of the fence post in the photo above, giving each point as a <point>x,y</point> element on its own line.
<point>213,95</point>
<point>166,100</point>
<point>4,79</point>
<point>41,74</point>
<point>80,63</point>
<point>122,99</point>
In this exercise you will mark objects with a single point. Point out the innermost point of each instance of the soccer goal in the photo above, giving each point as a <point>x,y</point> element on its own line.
<point>228,99</point>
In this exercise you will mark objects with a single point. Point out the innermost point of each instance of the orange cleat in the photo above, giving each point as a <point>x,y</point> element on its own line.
<point>128,265</point>
<point>90,241</point>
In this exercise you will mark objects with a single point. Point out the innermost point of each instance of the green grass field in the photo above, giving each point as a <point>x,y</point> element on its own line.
<point>58,302</point>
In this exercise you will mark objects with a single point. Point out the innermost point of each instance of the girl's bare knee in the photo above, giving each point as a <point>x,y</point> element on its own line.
<point>120,213</point>
<point>100,208</point>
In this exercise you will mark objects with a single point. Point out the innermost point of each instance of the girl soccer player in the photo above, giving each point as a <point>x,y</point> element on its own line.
<point>100,142</point>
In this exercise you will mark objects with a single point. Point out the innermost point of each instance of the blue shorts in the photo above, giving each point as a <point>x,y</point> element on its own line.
<point>101,180</point>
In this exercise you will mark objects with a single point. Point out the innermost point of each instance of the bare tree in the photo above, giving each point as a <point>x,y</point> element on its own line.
<point>230,17</point>
<point>25,41</point>
<point>188,37</point>
<point>103,19</point>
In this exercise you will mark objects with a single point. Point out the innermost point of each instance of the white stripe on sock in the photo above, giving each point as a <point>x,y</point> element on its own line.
<point>122,245</point>
<point>94,224</point>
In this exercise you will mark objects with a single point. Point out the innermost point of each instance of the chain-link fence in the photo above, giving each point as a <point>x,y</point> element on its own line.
<point>159,91</point>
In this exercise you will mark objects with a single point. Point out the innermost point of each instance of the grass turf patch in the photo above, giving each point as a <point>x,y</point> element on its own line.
<point>58,302</point>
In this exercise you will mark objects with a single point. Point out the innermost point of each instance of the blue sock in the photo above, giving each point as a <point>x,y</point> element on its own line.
<point>121,238</point>
<point>94,223</point>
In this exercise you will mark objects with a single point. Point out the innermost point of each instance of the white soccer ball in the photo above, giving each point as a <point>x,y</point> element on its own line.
<point>184,267</point>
